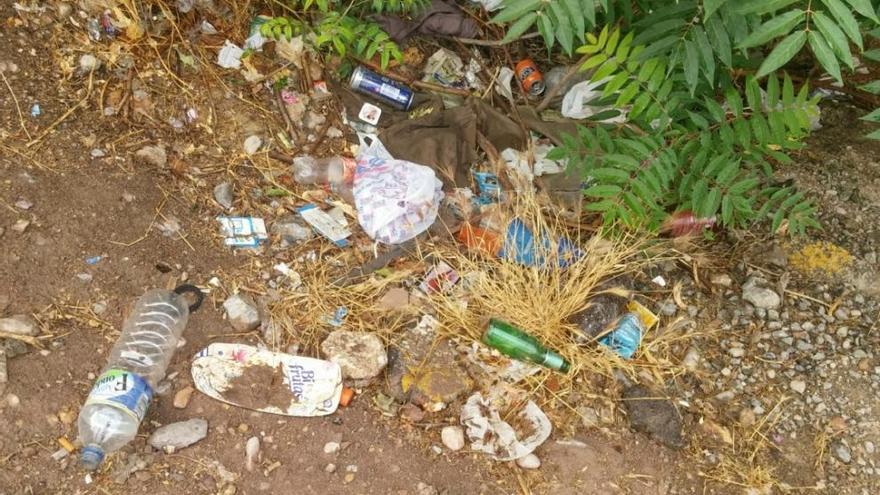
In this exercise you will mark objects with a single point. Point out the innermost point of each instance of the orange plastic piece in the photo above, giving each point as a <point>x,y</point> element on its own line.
<point>530,78</point>
<point>482,239</point>
<point>346,397</point>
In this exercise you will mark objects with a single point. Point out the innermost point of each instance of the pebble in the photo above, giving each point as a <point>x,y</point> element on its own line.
<point>721,279</point>
<point>330,468</point>
<point>760,297</point>
<point>331,447</point>
<point>452,437</point>
<point>360,355</point>
<point>691,359</point>
<point>242,312</point>
<point>182,397</point>
<point>88,63</point>
<point>153,155</point>
<point>12,400</point>
<point>176,436</point>
<point>737,352</point>
<point>20,226</point>
<point>425,489</point>
<point>252,144</point>
<point>530,461</point>
<point>19,325</point>
<point>23,204</point>
<point>223,195</point>
<point>869,447</point>
<point>798,386</point>
<point>841,452</point>
<point>251,452</point>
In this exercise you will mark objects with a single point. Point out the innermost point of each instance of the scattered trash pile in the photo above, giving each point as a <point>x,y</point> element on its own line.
<point>469,286</point>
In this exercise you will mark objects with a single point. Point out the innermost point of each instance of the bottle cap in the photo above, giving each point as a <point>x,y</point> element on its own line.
<point>91,457</point>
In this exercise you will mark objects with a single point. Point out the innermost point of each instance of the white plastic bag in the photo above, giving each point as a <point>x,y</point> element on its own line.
<point>396,200</point>
<point>575,103</point>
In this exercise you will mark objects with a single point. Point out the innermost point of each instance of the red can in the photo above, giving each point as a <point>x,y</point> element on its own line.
<point>529,77</point>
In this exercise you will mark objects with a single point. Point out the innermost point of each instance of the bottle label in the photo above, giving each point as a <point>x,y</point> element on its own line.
<point>123,390</point>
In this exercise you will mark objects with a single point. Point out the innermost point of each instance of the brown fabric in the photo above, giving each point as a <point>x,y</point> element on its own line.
<point>553,130</point>
<point>447,140</point>
<point>441,18</point>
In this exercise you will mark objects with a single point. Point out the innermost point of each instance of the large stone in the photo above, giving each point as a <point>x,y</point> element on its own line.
<point>360,355</point>
<point>423,368</point>
<point>176,436</point>
<point>649,413</point>
<point>242,312</point>
<point>760,297</point>
<point>19,325</point>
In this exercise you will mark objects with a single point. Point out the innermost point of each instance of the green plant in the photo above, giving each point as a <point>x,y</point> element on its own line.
<point>340,26</point>
<point>707,116</point>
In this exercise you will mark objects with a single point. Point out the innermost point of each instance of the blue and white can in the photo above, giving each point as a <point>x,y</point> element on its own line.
<point>380,87</point>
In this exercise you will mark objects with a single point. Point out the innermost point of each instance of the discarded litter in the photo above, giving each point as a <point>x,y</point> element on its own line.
<point>229,56</point>
<point>520,246</point>
<point>266,381</point>
<point>517,344</point>
<point>325,225</point>
<point>243,232</point>
<point>93,260</point>
<point>577,102</point>
<point>489,188</point>
<point>492,435</point>
<point>445,67</point>
<point>624,339</point>
<point>396,200</point>
<point>118,402</point>
<point>36,110</point>
<point>338,317</point>
<point>335,172</point>
<point>382,88</point>
<point>370,113</point>
<point>530,78</point>
<point>439,279</point>
<point>686,222</point>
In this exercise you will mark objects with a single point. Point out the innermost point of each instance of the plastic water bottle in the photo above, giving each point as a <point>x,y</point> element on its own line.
<point>336,172</point>
<point>120,397</point>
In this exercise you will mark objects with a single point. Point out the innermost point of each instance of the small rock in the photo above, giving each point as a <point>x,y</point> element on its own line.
<point>23,204</point>
<point>841,452</point>
<point>411,413</point>
<point>66,416</point>
<point>798,386</point>
<point>747,418</point>
<point>176,436</point>
<point>736,352</point>
<point>242,312</point>
<point>84,277</point>
<point>334,133</point>
<point>869,447</point>
<point>182,397</point>
<point>330,468</point>
<point>656,417</point>
<point>88,63</point>
<point>348,478</point>
<point>530,461</point>
<point>760,297</point>
<point>691,359</point>
<point>252,144</point>
<point>20,226</point>
<point>589,417</point>
<point>12,400</point>
<point>452,437</point>
<point>99,307</point>
<point>425,489</point>
<point>134,464</point>
<point>360,355</point>
<point>721,279</point>
<point>223,195</point>
<point>19,325</point>
<point>331,447</point>
<point>292,231</point>
<point>153,155</point>
<point>251,452</point>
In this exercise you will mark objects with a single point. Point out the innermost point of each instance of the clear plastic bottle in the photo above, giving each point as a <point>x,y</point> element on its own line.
<point>337,172</point>
<point>118,402</point>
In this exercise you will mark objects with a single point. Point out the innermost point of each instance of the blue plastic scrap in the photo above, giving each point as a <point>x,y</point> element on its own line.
<point>488,187</point>
<point>626,336</point>
<point>520,247</point>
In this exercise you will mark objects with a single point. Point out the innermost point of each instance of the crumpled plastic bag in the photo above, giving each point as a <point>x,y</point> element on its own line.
<point>396,200</point>
<point>576,102</point>
<point>494,436</point>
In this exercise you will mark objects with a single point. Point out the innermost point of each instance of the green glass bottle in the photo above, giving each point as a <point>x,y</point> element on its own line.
<point>515,343</point>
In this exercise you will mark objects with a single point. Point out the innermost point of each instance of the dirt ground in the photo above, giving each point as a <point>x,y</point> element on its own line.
<point>110,206</point>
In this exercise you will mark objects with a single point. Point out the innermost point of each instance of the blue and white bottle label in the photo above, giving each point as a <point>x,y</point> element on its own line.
<point>123,390</point>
